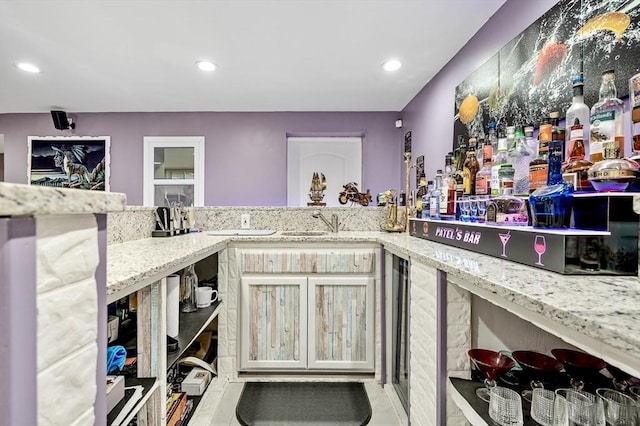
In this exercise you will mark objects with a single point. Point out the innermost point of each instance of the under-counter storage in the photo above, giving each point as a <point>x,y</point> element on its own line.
<point>307,308</point>
<point>319,322</point>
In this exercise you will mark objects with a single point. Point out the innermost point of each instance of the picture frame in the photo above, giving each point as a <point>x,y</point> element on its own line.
<point>80,162</point>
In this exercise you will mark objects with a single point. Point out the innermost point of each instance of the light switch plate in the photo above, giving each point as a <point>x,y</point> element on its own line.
<point>245,222</point>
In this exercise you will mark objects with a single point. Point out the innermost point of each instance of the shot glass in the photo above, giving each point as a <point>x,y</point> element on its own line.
<point>505,407</point>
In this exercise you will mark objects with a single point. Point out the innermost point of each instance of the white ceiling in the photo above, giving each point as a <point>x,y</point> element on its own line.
<point>273,55</point>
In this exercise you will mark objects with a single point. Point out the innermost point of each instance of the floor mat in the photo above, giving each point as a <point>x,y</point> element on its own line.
<point>308,403</point>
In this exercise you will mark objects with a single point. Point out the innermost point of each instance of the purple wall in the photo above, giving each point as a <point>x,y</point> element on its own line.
<point>246,153</point>
<point>429,115</point>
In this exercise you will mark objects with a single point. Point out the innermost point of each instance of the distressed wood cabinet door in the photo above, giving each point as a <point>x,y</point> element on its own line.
<point>341,323</point>
<point>274,323</point>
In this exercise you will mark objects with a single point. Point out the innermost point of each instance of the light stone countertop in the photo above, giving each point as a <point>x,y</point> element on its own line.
<point>21,200</point>
<point>603,308</point>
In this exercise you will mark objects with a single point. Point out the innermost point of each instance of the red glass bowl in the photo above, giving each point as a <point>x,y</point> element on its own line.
<point>491,363</point>
<point>536,361</point>
<point>579,365</point>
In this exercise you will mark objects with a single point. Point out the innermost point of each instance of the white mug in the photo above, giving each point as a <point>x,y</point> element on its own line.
<point>205,296</point>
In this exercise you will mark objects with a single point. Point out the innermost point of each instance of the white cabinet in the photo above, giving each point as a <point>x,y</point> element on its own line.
<point>297,322</point>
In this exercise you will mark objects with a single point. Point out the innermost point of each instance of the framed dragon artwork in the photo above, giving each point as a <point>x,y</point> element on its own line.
<point>80,162</point>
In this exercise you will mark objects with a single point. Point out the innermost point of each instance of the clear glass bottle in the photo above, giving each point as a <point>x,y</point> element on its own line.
<point>500,159</point>
<point>448,193</point>
<point>189,284</point>
<point>634,105</point>
<point>511,140</point>
<point>607,119</point>
<point>471,167</point>
<point>483,177</point>
<point>580,111</point>
<point>434,201</point>
<point>520,157</point>
<point>493,139</point>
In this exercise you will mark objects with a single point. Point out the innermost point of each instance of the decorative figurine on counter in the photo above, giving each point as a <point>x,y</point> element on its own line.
<point>351,193</point>
<point>391,224</point>
<point>409,202</point>
<point>318,185</point>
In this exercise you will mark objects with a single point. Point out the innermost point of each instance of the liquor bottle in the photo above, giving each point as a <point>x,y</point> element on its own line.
<point>576,162</point>
<point>557,131</point>
<point>506,209</point>
<point>554,168</point>
<point>520,157</point>
<point>426,201</point>
<point>539,167</point>
<point>471,167</point>
<point>434,201</point>
<point>422,190</point>
<point>578,110</point>
<point>448,191</point>
<point>493,139</point>
<point>607,119</point>
<point>634,104</point>
<point>500,159</point>
<point>483,177</point>
<point>459,173</point>
<point>511,140</point>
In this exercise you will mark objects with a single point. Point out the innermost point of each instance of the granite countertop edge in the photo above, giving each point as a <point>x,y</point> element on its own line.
<point>32,200</point>
<point>611,305</point>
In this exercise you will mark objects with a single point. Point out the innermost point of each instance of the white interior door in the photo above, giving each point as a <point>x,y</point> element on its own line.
<point>339,159</point>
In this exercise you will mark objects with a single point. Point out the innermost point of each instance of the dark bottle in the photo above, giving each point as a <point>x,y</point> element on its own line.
<point>448,194</point>
<point>471,167</point>
<point>539,167</point>
<point>554,170</point>
<point>557,132</point>
<point>422,190</point>
<point>459,173</point>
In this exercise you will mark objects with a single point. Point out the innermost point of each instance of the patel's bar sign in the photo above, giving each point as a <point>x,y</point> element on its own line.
<point>542,250</point>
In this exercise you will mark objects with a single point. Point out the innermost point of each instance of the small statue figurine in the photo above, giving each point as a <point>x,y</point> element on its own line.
<point>391,224</point>
<point>318,185</point>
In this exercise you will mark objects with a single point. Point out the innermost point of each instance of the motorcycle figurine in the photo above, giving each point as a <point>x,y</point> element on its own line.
<point>351,193</point>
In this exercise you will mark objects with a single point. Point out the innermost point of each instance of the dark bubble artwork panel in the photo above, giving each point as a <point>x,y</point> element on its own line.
<point>611,39</point>
<point>537,66</point>
<point>472,101</point>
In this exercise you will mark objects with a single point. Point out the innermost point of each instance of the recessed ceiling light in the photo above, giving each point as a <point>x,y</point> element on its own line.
<point>391,65</point>
<point>206,65</point>
<point>24,66</point>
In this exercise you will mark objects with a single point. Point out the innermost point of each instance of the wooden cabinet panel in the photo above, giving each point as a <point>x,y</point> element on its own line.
<point>341,323</point>
<point>274,322</point>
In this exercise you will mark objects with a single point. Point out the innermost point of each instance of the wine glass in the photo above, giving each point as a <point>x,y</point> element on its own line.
<point>493,365</point>
<point>540,246</point>
<point>580,366</point>
<point>619,378</point>
<point>540,369</point>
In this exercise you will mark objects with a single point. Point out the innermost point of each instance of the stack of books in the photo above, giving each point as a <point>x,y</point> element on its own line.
<point>178,408</point>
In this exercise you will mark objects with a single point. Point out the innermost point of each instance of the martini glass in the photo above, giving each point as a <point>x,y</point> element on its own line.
<point>580,366</point>
<point>493,365</point>
<point>504,238</point>
<point>542,370</point>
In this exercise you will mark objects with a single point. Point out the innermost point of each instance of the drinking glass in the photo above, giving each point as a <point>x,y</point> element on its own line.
<point>549,409</point>
<point>619,409</point>
<point>583,408</point>
<point>505,407</point>
<point>465,209</point>
<point>483,200</point>
<point>493,365</point>
<point>473,209</point>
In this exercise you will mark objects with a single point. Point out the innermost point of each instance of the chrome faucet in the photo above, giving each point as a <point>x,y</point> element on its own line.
<point>333,225</point>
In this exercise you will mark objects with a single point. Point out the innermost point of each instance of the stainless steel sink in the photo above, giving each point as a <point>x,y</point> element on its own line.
<point>303,233</point>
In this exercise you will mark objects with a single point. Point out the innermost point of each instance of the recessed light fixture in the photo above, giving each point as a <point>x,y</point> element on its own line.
<point>206,65</point>
<point>25,66</point>
<point>391,65</point>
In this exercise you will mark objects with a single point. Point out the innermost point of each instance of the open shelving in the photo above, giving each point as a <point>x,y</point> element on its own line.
<point>149,385</point>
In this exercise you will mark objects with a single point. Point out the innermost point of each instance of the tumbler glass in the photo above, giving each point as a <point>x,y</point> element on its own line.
<point>619,409</point>
<point>584,408</point>
<point>505,407</point>
<point>549,409</point>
